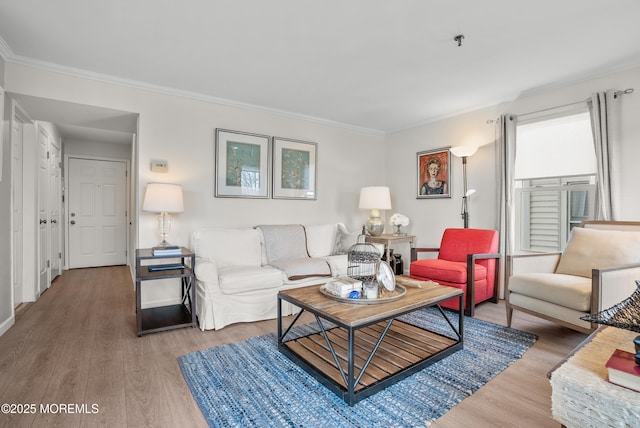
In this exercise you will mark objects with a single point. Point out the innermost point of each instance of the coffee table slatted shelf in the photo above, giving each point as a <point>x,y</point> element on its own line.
<point>403,346</point>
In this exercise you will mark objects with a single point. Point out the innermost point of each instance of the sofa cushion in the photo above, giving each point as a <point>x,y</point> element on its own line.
<point>228,247</point>
<point>303,267</point>
<point>321,239</point>
<point>344,240</point>
<point>445,270</point>
<point>242,279</point>
<point>570,291</point>
<point>589,249</point>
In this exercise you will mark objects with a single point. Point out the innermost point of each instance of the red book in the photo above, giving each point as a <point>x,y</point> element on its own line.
<point>623,370</point>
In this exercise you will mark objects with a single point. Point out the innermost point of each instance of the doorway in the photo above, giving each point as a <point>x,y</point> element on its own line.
<point>74,130</point>
<point>97,212</point>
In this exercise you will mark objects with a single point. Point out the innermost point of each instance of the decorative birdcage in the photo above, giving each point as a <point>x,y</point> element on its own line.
<point>363,259</point>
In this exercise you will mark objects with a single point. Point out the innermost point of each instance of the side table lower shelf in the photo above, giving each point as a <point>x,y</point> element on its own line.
<point>163,318</point>
<point>169,317</point>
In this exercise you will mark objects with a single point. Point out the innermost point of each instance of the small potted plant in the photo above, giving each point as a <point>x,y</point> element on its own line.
<point>397,221</point>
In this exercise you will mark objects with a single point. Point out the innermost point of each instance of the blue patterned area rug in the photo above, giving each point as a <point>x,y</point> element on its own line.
<point>251,384</point>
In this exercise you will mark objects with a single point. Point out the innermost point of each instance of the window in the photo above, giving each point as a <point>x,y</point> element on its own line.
<point>555,178</point>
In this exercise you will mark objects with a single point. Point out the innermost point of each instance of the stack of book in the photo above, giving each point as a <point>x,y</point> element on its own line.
<point>170,250</point>
<point>623,370</point>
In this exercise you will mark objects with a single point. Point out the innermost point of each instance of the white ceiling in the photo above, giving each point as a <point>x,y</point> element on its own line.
<point>375,64</point>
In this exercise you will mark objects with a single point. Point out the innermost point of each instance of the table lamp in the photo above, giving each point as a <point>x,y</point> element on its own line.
<point>375,198</point>
<point>163,198</point>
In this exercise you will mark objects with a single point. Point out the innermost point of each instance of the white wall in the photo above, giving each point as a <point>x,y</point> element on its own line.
<point>182,131</point>
<point>430,217</point>
<point>97,149</point>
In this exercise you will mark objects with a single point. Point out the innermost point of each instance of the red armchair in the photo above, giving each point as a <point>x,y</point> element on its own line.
<point>467,259</point>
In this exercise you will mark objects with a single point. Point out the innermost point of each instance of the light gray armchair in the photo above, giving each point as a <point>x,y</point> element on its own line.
<point>597,269</point>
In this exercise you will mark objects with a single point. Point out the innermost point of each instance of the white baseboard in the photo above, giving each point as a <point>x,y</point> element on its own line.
<point>7,324</point>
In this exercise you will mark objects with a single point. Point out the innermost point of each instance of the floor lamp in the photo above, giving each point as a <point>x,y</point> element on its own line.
<point>465,152</point>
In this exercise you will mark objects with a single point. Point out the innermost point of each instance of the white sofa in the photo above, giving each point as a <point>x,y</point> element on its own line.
<point>235,283</point>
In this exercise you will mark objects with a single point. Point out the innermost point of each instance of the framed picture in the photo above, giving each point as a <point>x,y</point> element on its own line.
<point>242,164</point>
<point>294,169</point>
<point>434,174</point>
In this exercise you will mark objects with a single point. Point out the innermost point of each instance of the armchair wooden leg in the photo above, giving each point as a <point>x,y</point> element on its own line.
<point>509,315</point>
<point>496,282</point>
<point>469,311</point>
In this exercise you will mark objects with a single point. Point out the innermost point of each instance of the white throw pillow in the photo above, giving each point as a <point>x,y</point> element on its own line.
<point>589,249</point>
<point>321,239</point>
<point>344,240</point>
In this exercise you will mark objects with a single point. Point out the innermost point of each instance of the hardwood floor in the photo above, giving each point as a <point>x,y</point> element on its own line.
<point>77,345</point>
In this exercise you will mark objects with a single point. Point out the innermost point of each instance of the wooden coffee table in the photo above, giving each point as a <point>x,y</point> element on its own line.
<point>368,349</point>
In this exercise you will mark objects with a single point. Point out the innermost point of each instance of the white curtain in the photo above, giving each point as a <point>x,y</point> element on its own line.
<point>505,133</point>
<point>605,122</point>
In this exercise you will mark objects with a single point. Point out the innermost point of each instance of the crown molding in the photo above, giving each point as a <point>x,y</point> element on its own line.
<point>135,84</point>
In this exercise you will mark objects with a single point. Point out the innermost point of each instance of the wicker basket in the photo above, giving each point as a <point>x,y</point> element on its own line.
<point>363,259</point>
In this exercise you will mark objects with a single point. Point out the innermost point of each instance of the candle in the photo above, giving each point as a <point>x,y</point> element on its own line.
<point>371,290</point>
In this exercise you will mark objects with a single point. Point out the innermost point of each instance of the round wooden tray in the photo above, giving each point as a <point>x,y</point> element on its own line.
<point>388,296</point>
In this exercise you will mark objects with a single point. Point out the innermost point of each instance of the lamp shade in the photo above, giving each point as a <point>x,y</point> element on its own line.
<point>163,198</point>
<point>375,197</point>
<point>463,151</point>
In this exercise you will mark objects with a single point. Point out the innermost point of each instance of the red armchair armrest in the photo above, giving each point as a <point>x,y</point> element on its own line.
<point>471,260</point>
<point>416,251</point>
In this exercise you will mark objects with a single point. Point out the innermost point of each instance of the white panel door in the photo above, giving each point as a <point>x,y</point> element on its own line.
<point>44,273</point>
<point>97,213</point>
<point>55,202</point>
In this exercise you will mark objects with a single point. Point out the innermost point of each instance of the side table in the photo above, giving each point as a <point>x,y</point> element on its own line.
<point>580,393</point>
<point>151,320</point>
<point>389,239</point>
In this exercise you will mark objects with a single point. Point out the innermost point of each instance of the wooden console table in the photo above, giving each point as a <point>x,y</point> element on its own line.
<point>389,239</point>
<point>581,395</point>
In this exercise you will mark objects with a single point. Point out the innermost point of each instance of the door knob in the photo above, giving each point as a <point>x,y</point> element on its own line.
<point>73,222</point>
<point>54,221</point>
<point>43,221</point>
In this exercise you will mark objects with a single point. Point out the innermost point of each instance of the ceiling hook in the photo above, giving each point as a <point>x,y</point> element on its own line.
<point>459,39</point>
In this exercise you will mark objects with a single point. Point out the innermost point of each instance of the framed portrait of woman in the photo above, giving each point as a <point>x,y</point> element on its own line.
<point>434,174</point>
